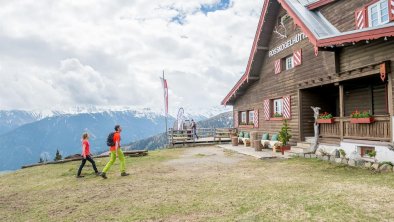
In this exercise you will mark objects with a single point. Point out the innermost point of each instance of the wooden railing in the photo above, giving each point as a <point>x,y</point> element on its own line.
<point>184,136</point>
<point>379,130</point>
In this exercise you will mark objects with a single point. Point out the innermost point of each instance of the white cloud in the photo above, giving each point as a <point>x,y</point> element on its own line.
<point>111,53</point>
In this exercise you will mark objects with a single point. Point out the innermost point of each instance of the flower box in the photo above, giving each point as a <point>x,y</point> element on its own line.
<point>362,120</point>
<point>331,120</point>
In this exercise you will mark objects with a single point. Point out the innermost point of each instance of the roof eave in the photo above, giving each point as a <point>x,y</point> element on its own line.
<point>245,76</point>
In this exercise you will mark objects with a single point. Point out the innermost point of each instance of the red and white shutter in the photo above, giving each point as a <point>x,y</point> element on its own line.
<point>235,119</point>
<point>278,66</point>
<point>256,118</point>
<point>267,113</point>
<point>297,57</point>
<point>361,18</point>
<point>286,107</point>
<point>391,9</point>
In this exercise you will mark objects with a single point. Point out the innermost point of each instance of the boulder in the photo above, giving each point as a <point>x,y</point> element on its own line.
<point>352,162</point>
<point>360,162</point>
<point>313,155</point>
<point>375,166</point>
<point>368,165</point>
<point>385,168</point>
<point>338,160</point>
<point>344,161</point>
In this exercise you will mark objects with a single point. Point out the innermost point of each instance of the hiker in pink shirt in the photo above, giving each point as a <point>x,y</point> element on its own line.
<point>86,155</point>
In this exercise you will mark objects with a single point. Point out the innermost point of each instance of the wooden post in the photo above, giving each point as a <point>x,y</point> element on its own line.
<point>390,102</point>
<point>300,132</point>
<point>341,111</point>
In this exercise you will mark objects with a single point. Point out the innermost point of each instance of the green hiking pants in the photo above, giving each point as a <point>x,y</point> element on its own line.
<point>112,160</point>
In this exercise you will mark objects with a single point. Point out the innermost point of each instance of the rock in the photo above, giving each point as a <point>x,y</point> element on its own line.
<point>344,161</point>
<point>352,162</point>
<point>313,155</point>
<point>338,160</point>
<point>367,164</point>
<point>332,159</point>
<point>326,158</point>
<point>385,168</point>
<point>360,162</point>
<point>375,166</point>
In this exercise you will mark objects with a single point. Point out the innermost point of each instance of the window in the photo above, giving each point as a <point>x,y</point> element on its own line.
<point>378,13</point>
<point>289,63</point>
<point>243,117</point>
<point>365,150</point>
<point>277,108</point>
<point>251,117</point>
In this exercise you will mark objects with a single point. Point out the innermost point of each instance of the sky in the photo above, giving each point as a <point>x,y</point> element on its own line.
<point>106,53</point>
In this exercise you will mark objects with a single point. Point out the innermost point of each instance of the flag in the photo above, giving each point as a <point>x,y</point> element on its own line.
<point>165,88</point>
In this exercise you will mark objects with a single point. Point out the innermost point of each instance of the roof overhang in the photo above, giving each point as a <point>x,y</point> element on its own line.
<point>319,4</point>
<point>259,49</point>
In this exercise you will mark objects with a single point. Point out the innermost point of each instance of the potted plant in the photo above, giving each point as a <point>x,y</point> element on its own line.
<point>372,154</point>
<point>325,118</point>
<point>284,137</point>
<point>361,117</point>
<point>342,153</point>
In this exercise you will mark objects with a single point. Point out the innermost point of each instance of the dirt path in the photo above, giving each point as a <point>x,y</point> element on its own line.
<point>202,157</point>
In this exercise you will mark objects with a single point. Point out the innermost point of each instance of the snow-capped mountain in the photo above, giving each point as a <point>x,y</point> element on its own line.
<point>12,119</point>
<point>206,113</point>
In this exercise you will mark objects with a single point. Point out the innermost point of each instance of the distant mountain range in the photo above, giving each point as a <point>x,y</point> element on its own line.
<point>25,136</point>
<point>10,120</point>
<point>26,143</point>
<point>224,120</point>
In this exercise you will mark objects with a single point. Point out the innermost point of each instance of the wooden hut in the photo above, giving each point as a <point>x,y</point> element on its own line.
<point>332,54</point>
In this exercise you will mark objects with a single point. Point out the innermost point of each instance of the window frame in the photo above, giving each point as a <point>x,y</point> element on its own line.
<point>249,119</point>
<point>286,60</point>
<point>379,13</point>
<point>246,115</point>
<point>275,106</point>
<point>364,150</point>
<point>243,115</point>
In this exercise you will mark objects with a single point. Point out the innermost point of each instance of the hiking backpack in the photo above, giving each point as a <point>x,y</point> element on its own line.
<point>110,139</point>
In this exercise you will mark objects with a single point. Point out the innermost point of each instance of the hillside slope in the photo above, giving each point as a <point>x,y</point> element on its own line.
<point>198,184</point>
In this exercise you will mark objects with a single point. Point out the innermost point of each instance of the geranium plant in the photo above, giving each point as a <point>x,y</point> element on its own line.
<point>278,115</point>
<point>358,114</point>
<point>325,115</point>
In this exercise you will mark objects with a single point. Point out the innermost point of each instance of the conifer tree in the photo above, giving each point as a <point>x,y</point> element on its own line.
<point>57,156</point>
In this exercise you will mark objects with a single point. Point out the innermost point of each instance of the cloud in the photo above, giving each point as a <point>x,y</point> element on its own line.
<point>112,53</point>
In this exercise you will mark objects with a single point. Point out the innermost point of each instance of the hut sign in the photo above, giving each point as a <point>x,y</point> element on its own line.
<point>297,38</point>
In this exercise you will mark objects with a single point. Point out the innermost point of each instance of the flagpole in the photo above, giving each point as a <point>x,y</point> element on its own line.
<point>165,111</point>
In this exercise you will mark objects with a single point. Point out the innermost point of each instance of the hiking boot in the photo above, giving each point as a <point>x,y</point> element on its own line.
<point>124,174</point>
<point>98,173</point>
<point>103,175</point>
<point>80,176</point>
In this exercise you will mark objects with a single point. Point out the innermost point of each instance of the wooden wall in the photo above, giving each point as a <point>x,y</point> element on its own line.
<point>341,13</point>
<point>363,96</point>
<point>374,52</point>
